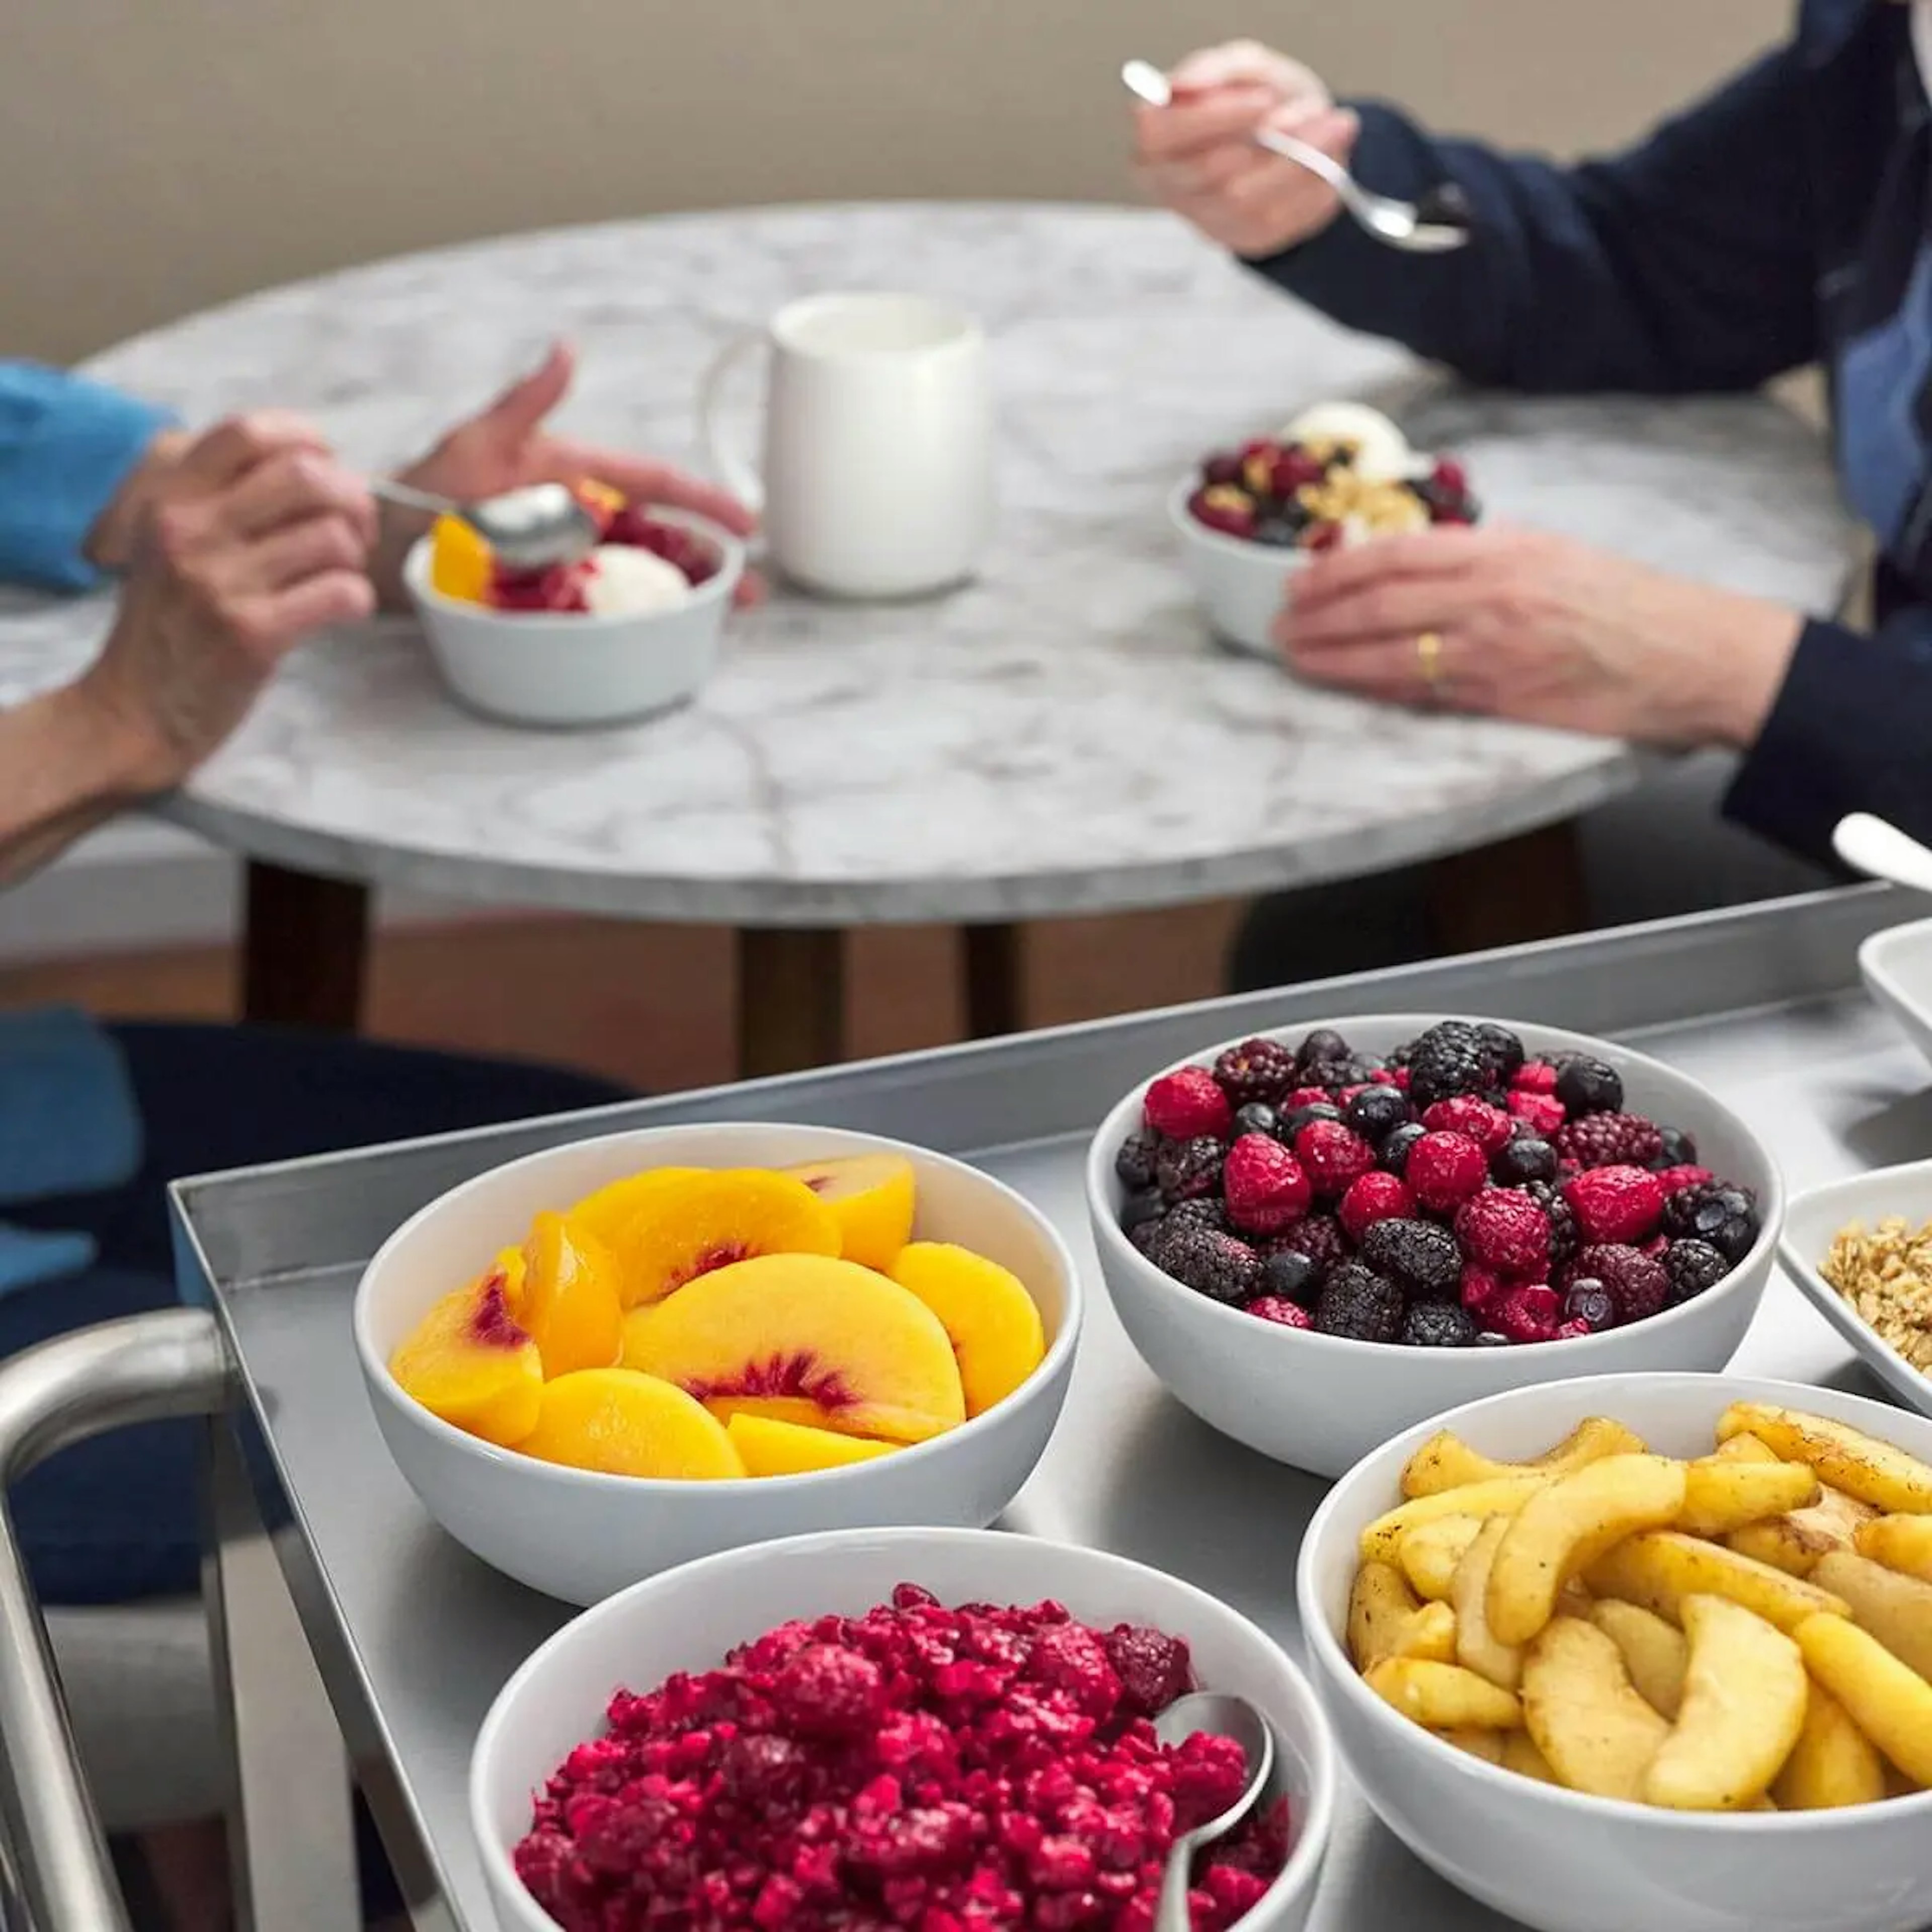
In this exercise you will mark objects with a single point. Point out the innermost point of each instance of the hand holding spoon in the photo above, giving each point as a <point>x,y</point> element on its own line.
<point>1441,222</point>
<point>1223,1714</point>
<point>529,529</point>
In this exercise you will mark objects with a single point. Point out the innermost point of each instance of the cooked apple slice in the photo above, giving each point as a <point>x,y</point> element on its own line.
<point>624,1424</point>
<point>805,1338</point>
<point>472,1362</point>
<point>994,1323</point>
<point>872,1197</point>
<point>1584,1713</point>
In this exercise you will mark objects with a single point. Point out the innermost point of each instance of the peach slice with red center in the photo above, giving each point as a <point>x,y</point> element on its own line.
<point>700,1222</point>
<point>569,1297</point>
<point>805,1338</point>
<point>625,1424</point>
<point>872,1197</point>
<point>604,1215</point>
<point>472,1362</point>
<point>994,1323</point>
<point>769,1448</point>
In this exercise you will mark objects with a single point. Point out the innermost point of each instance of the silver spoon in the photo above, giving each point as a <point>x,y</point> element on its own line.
<point>1223,1714</point>
<point>1880,850</point>
<point>1402,224</point>
<point>529,529</point>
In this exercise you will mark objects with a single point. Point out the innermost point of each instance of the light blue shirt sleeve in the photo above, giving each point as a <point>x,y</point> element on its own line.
<point>67,445</point>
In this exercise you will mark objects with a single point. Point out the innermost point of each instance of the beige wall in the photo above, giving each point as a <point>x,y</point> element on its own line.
<point>157,155</point>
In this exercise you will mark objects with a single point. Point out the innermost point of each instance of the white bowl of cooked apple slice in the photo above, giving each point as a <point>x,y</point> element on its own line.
<point>616,1355</point>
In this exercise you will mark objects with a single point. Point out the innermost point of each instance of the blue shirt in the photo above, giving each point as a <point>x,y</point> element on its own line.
<point>1785,219</point>
<point>66,446</point>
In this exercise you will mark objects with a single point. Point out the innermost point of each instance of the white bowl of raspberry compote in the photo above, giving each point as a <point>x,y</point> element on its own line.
<point>922,1727</point>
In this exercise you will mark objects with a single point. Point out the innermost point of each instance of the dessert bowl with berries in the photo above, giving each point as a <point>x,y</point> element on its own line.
<point>627,631</point>
<point>1317,1239</point>
<point>1689,1636</point>
<point>1340,474</point>
<point>612,1356</point>
<point>936,1728</point>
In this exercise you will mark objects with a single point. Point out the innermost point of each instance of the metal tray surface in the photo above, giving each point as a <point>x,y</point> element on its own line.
<point>415,1636</point>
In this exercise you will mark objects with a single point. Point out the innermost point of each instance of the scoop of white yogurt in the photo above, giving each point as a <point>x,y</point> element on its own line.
<point>625,580</point>
<point>1382,454</point>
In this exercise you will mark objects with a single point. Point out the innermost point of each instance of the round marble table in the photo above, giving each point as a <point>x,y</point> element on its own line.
<point>1060,737</point>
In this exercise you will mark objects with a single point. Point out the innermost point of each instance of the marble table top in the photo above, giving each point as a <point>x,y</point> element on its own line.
<point>1061,736</point>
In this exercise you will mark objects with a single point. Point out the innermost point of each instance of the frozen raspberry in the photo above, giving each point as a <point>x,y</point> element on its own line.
<point>1488,1126</point>
<point>1670,1179</point>
<point>1534,1076</point>
<point>1587,1085</point>
<point>1373,1198</point>
<point>1319,1237</point>
<point>1188,1105</point>
<point>1505,1230</point>
<point>1265,1186</point>
<point>1693,1267</point>
<point>1321,536</point>
<point>1573,1331</point>
<point>1615,1203</point>
<point>1257,1069</point>
<point>1609,1140</point>
<point>826,1690</point>
<point>1217,1265</point>
<point>1540,1111</point>
<point>1332,1156</point>
<point>561,586</point>
<point>1638,1283</point>
<point>1444,1170</point>
<point>1222,507</point>
<point>1479,1290</point>
<point>1310,1097</point>
<point>1154,1668</point>
<point>1185,1170</point>
<point>1526,1314</point>
<point>1359,1304</point>
<point>1284,1313</point>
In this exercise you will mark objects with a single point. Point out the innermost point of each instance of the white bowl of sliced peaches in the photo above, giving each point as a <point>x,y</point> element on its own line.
<point>616,1355</point>
<point>628,631</point>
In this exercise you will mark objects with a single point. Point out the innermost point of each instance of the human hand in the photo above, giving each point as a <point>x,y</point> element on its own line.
<point>1542,629</point>
<point>505,446</point>
<point>255,538</point>
<point>1195,156</point>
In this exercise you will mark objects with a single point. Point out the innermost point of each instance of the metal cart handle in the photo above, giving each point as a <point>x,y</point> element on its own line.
<point>143,1369</point>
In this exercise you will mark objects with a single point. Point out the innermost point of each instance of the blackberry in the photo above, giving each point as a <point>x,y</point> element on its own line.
<point>1293,1275</point>
<point>1565,1236</point>
<point>1693,1266</point>
<point>1258,1118</point>
<point>1333,1076</point>
<point>1588,1086</point>
<point>1296,1118</point>
<point>1452,1058</point>
<point>1437,1324</point>
<point>1420,1257</point>
<point>1205,1210</point>
<point>1134,1163</point>
<point>1143,1234</point>
<point>1145,1205</point>
<point>1257,1069</point>
<point>1323,1043</point>
<point>1679,1149</point>
<point>1216,1265</point>
<point>1525,1157</point>
<point>1319,1237</point>
<point>1506,1051</point>
<point>1395,1147</point>
<point>1636,1282</point>
<point>1717,1213</point>
<point>1609,1139</point>
<point>1358,1303</point>
<point>1375,1111</point>
<point>1186,1169</point>
<point>1282,532</point>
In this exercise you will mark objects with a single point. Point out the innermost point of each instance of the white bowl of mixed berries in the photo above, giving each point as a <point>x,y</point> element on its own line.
<point>627,631</point>
<point>1315,1241</point>
<point>1340,474</point>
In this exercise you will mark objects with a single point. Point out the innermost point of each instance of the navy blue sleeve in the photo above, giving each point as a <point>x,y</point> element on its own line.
<point>1851,731</point>
<point>1683,265</point>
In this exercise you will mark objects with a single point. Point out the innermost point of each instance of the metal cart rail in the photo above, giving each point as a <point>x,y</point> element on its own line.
<point>412,1637</point>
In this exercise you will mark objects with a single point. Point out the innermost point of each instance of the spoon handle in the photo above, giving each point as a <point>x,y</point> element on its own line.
<point>1325,167</point>
<point>1171,1913</point>
<point>391,491</point>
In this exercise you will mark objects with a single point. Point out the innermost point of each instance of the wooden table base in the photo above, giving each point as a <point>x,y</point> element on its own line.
<point>305,949</point>
<point>993,962</point>
<point>1519,889</point>
<point>791,999</point>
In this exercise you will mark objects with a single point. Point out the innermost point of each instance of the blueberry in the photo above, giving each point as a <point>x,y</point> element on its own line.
<point>1394,1150</point>
<point>1590,1301</point>
<point>1257,1117</point>
<point>1374,1111</point>
<point>1588,1086</point>
<point>1523,1158</point>
<point>1147,1205</point>
<point>1679,1150</point>
<point>1293,1275</point>
<point>1323,1043</point>
<point>1296,1118</point>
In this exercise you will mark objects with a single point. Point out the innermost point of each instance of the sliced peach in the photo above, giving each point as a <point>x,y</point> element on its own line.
<point>599,498</point>
<point>994,1323</point>
<point>470,1362</point>
<point>871,1196</point>
<point>702,1221</point>
<point>769,1448</point>
<point>460,563</point>
<point>569,1300</point>
<point>625,1424</point>
<point>806,1339</point>
<point>605,1214</point>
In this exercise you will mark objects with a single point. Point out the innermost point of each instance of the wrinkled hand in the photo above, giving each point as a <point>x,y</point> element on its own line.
<point>1544,630</point>
<point>506,445</point>
<point>256,538</point>
<point>1196,157</point>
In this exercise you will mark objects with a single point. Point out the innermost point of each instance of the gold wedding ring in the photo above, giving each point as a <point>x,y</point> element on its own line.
<point>1429,661</point>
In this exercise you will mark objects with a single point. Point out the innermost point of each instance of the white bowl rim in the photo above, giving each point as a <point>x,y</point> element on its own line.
<point>1317,1636</point>
<point>719,585</point>
<point>1107,1235</point>
<point>1312,1830</point>
<point>1245,547</point>
<point>375,1369</point>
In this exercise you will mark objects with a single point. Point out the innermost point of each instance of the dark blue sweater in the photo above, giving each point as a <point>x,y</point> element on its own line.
<point>1785,219</point>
